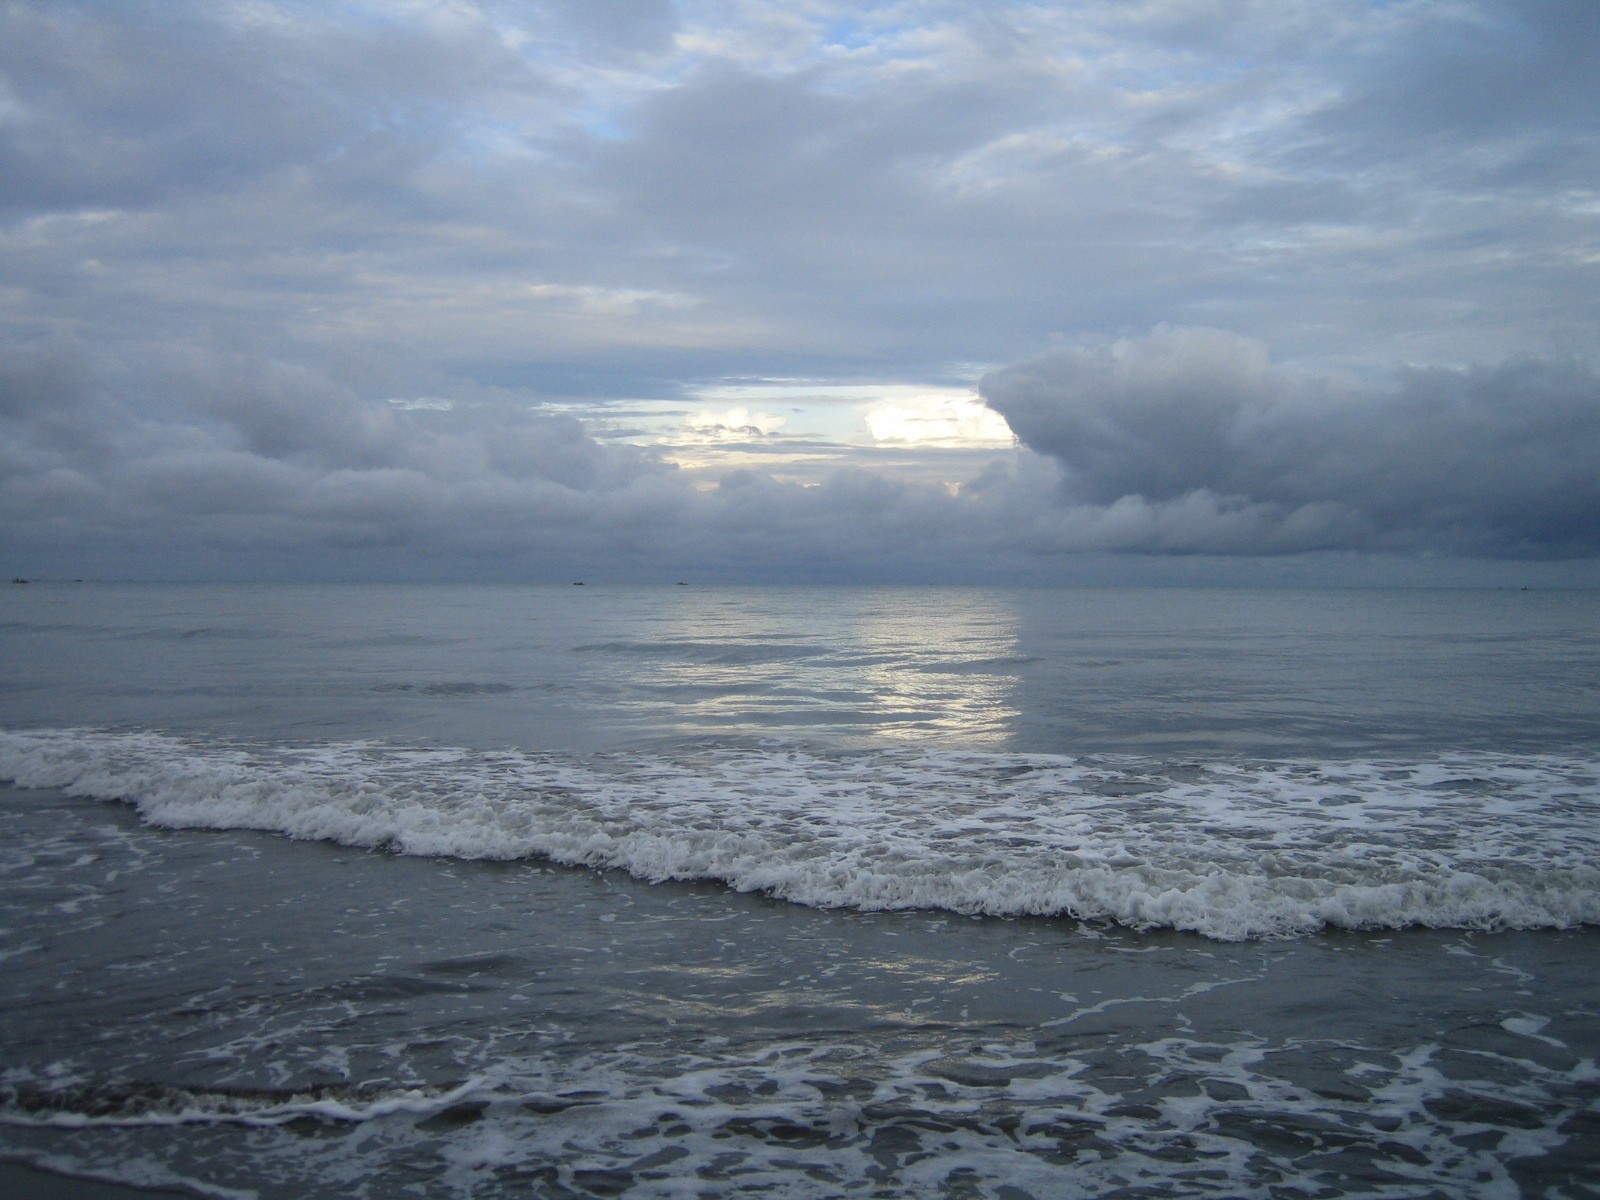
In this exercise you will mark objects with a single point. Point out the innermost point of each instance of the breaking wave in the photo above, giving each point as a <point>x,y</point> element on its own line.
<point>1229,850</point>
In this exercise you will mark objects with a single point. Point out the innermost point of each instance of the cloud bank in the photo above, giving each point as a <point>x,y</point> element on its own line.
<point>473,288</point>
<point>1185,442</point>
<point>241,466</point>
<point>1191,440</point>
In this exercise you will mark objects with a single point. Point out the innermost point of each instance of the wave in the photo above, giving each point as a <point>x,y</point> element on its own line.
<point>1230,850</point>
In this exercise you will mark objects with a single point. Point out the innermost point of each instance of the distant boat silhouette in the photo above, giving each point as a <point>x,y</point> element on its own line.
<point>577,583</point>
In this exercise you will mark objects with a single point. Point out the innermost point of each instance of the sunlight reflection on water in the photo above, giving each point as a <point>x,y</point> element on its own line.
<point>931,663</point>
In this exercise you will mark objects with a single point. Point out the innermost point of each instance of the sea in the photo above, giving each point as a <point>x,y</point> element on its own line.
<point>693,890</point>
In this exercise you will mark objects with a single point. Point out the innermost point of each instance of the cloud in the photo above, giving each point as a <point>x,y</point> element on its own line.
<point>738,424</point>
<point>1192,440</point>
<point>1468,90</point>
<point>318,281</point>
<point>122,104</point>
<point>249,464</point>
<point>618,28</point>
<point>655,194</point>
<point>1183,444</point>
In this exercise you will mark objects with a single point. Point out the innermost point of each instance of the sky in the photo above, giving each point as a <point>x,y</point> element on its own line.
<point>1128,291</point>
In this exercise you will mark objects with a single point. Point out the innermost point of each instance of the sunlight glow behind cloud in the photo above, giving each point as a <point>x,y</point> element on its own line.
<point>938,419</point>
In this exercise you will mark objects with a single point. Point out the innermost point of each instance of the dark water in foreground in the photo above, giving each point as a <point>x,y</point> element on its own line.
<point>802,892</point>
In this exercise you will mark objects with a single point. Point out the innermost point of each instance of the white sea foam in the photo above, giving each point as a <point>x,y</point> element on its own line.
<point>1172,1116</point>
<point>1229,850</point>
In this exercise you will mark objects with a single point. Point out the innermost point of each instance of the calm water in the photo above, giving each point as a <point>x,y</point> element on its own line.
<point>671,891</point>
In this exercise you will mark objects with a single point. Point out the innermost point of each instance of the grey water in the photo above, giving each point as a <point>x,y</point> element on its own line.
<point>692,891</point>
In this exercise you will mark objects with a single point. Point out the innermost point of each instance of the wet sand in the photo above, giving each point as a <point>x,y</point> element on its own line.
<point>21,1182</point>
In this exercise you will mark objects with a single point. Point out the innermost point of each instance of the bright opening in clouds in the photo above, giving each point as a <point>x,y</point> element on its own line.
<point>932,419</point>
<point>735,424</point>
<point>472,289</point>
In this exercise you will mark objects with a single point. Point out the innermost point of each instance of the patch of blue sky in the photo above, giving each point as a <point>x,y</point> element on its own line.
<point>605,124</point>
<point>851,33</point>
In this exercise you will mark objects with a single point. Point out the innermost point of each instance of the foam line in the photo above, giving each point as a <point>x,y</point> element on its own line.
<point>1230,850</point>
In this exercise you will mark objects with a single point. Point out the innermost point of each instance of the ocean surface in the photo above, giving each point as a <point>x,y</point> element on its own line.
<point>693,891</point>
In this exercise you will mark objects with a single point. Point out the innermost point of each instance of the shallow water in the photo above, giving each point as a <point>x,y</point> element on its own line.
<point>193,998</point>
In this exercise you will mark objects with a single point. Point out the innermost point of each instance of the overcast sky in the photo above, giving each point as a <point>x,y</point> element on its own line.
<point>1133,290</point>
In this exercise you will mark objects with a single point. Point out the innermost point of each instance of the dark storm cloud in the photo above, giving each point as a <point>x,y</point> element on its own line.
<point>1191,440</point>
